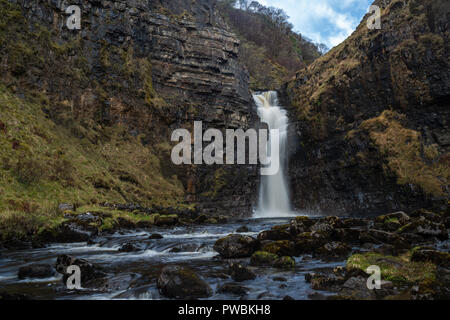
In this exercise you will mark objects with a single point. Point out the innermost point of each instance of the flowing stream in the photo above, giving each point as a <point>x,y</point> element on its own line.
<point>134,275</point>
<point>274,192</point>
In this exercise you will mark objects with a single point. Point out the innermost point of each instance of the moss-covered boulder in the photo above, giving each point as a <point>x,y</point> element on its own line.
<point>425,228</point>
<point>263,258</point>
<point>182,283</point>
<point>236,246</point>
<point>308,242</point>
<point>167,220</point>
<point>274,235</point>
<point>284,262</point>
<point>300,225</point>
<point>439,258</point>
<point>334,251</point>
<point>280,248</point>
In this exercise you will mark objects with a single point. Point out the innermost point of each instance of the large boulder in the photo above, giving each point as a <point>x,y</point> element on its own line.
<point>426,228</point>
<point>437,257</point>
<point>300,225</point>
<point>236,246</point>
<point>334,251</point>
<point>181,283</point>
<point>274,235</point>
<point>280,248</point>
<point>90,272</point>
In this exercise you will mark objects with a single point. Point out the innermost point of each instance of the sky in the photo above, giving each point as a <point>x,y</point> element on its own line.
<point>324,21</point>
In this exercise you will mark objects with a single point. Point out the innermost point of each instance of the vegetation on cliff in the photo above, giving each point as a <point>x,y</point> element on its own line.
<point>374,109</point>
<point>270,49</point>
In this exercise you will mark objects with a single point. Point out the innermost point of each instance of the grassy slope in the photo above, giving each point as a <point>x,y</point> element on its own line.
<point>44,164</point>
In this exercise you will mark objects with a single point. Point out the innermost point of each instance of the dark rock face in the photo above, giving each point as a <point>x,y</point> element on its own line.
<point>371,108</point>
<point>153,66</point>
<point>180,283</point>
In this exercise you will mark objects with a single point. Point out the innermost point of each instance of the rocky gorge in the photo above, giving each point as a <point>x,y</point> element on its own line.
<point>86,177</point>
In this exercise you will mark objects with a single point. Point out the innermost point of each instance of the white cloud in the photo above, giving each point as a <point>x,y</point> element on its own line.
<point>325,21</point>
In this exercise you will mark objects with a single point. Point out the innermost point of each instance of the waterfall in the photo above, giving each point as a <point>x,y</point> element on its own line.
<point>274,193</point>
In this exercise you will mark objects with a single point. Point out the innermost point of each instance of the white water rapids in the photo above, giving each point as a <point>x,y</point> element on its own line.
<point>274,193</point>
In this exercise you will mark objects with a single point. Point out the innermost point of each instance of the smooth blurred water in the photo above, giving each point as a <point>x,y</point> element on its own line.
<point>134,275</point>
<point>274,192</point>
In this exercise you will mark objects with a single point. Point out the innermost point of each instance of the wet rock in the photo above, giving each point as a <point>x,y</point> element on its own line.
<point>284,263</point>
<point>324,281</point>
<point>280,248</point>
<point>437,257</point>
<point>334,251</point>
<point>15,244</point>
<point>243,229</point>
<point>167,220</point>
<point>234,288</point>
<point>201,219</point>
<point>236,246</point>
<point>327,225</point>
<point>287,298</point>
<point>66,233</point>
<point>300,225</point>
<point>240,273</point>
<point>263,258</point>
<point>36,271</point>
<point>155,236</point>
<point>356,288</point>
<point>279,279</point>
<point>427,215</point>
<point>399,218</point>
<point>389,238</point>
<point>182,283</point>
<point>426,228</point>
<point>309,242</point>
<point>128,247</point>
<point>351,235</point>
<point>90,272</point>
<point>274,235</point>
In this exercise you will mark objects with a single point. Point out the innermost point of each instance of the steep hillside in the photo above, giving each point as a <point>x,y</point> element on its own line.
<point>372,116</point>
<point>270,49</point>
<point>86,115</point>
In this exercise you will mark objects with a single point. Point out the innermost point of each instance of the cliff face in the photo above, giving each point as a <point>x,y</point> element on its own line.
<point>150,66</point>
<point>371,131</point>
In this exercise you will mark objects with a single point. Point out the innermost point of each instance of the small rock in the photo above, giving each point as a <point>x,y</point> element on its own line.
<point>155,236</point>
<point>242,229</point>
<point>240,273</point>
<point>128,247</point>
<point>234,288</point>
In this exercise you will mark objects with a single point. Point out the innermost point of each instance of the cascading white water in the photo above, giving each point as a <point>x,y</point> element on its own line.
<point>274,193</point>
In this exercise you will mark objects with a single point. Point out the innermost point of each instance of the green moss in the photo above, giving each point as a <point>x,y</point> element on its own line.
<point>399,270</point>
<point>263,258</point>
